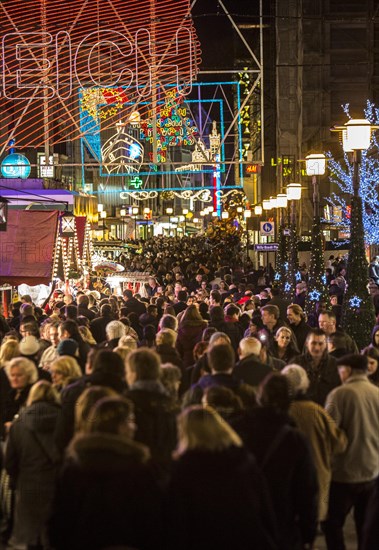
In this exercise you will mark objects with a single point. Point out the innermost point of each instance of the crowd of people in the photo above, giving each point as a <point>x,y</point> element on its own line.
<point>204,412</point>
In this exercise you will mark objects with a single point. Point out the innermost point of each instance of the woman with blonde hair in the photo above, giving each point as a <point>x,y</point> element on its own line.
<point>9,349</point>
<point>216,482</point>
<point>86,402</point>
<point>87,336</point>
<point>64,371</point>
<point>32,461</point>
<point>22,374</point>
<point>284,346</point>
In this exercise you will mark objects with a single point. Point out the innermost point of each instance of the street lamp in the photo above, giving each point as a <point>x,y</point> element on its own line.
<point>185,211</point>
<point>357,308</point>
<point>169,212</point>
<point>258,210</point>
<point>293,195</point>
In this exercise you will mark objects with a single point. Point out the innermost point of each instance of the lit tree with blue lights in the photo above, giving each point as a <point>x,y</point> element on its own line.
<point>358,315</point>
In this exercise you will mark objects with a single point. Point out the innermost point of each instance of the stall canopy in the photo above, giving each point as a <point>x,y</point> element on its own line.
<point>27,247</point>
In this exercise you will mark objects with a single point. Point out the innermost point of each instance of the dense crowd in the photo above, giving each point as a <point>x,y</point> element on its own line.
<point>201,412</point>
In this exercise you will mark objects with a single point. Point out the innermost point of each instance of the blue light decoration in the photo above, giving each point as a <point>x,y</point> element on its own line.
<point>298,276</point>
<point>355,301</point>
<point>287,287</point>
<point>286,265</point>
<point>15,165</point>
<point>342,176</point>
<point>324,279</point>
<point>277,277</point>
<point>314,296</point>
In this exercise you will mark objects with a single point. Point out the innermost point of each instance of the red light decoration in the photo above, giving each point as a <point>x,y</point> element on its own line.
<point>129,51</point>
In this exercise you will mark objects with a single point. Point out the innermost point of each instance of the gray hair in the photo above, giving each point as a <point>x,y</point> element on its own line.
<point>298,380</point>
<point>250,346</point>
<point>115,329</point>
<point>27,366</point>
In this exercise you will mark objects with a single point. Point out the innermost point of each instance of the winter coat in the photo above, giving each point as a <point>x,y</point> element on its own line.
<point>188,337</point>
<point>169,354</point>
<point>326,440</point>
<point>106,496</point>
<point>97,327</point>
<point>290,473</point>
<point>32,461</point>
<point>323,379</point>
<point>301,332</point>
<point>155,415</point>
<point>355,408</point>
<point>218,499</point>
<point>251,371</point>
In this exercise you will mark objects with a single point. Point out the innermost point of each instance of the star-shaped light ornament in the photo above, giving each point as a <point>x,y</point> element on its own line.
<point>277,277</point>
<point>314,296</point>
<point>287,287</point>
<point>286,265</point>
<point>355,301</point>
<point>298,276</point>
<point>323,279</point>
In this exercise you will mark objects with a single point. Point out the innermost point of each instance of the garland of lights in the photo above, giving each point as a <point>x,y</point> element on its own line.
<point>93,97</point>
<point>203,195</point>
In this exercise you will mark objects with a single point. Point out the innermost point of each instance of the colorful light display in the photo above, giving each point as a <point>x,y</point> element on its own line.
<point>51,49</point>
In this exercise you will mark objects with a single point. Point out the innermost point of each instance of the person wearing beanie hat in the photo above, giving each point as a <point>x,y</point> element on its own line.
<point>355,408</point>
<point>68,346</point>
<point>29,346</point>
<point>325,437</point>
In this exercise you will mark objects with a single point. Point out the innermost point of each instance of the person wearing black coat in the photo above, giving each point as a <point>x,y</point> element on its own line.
<point>285,457</point>
<point>217,497</point>
<point>132,304</point>
<point>296,318</point>
<point>32,462</point>
<point>104,368</point>
<point>107,496</point>
<point>154,410</point>
<point>250,368</point>
<point>99,324</point>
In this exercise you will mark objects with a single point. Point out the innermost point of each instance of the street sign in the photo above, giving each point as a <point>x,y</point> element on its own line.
<point>267,229</point>
<point>266,247</point>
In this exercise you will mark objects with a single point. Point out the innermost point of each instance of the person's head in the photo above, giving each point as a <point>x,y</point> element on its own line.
<point>52,334</point>
<point>86,401</point>
<point>375,336</point>
<point>8,350</point>
<point>274,392</point>
<point>26,299</point>
<point>249,346</point>
<point>141,365</point>
<point>68,346</point>
<point>284,337</point>
<point>215,298</point>
<point>105,362</point>
<point>170,378</point>
<point>43,391</point>
<point>64,370</point>
<point>112,415</point>
<point>315,343</point>
<point>199,349</point>
<point>301,288</point>
<point>69,329</point>
<point>191,315</point>
<point>168,321</point>
<point>372,355</point>
<point>29,347</point>
<point>149,333</point>
<point>128,341</point>
<point>182,296</point>
<point>327,322</point>
<point>114,330</point>
<point>333,300</point>
<point>218,338</point>
<point>270,315</point>
<point>166,337</point>
<point>297,379</point>
<point>27,310</point>
<point>204,429</point>
<point>221,358</point>
<point>21,372</point>
<point>295,314</point>
<point>82,300</point>
<point>29,328</point>
<point>127,294</point>
<point>336,341</point>
<point>352,365</point>
<point>222,399</point>
<point>87,335</point>
<point>106,310</point>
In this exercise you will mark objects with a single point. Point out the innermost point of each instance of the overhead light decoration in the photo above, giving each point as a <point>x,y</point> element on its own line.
<point>67,225</point>
<point>15,165</point>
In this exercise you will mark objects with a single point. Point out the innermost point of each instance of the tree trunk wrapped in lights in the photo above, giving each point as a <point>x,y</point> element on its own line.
<point>358,316</point>
<point>281,259</point>
<point>292,270</point>
<point>317,291</point>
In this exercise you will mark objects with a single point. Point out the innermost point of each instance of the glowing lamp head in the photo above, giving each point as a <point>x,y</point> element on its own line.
<point>281,200</point>
<point>357,135</point>
<point>315,164</point>
<point>294,191</point>
<point>258,210</point>
<point>266,204</point>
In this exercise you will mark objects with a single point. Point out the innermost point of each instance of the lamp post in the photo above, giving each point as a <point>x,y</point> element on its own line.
<point>135,211</point>
<point>103,215</point>
<point>293,195</point>
<point>247,216</point>
<point>315,165</point>
<point>358,315</point>
<point>123,214</point>
<point>185,212</point>
<point>282,255</point>
<point>169,212</point>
